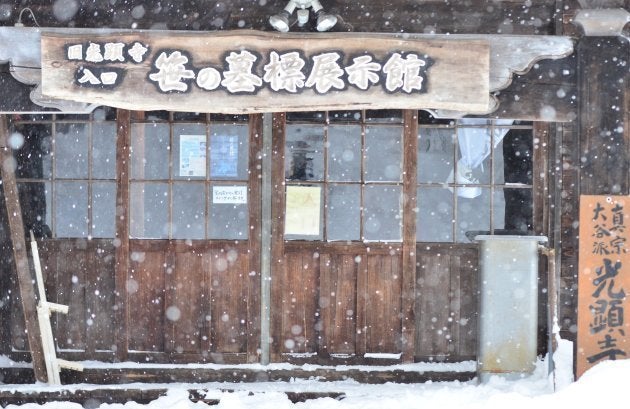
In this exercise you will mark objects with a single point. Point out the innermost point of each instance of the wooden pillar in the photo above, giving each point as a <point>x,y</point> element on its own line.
<point>604,126</point>
<point>278,265</point>
<point>121,321</point>
<point>410,186</point>
<point>20,255</point>
<point>256,235</point>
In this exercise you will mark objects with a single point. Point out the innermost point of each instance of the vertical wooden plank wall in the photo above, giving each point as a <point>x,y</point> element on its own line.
<point>603,115</point>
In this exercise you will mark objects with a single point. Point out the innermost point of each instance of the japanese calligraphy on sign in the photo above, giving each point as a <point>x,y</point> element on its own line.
<point>247,71</point>
<point>604,281</point>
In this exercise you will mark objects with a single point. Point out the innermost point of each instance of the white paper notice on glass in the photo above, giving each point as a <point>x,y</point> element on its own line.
<point>229,194</point>
<point>302,210</point>
<point>192,155</point>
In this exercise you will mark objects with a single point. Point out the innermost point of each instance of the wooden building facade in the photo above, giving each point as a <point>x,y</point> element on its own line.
<point>314,234</point>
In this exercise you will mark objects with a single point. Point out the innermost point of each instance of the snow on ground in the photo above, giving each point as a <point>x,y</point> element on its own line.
<point>604,385</point>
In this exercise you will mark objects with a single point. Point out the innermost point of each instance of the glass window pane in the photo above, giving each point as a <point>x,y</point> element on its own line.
<point>344,116</point>
<point>383,153</point>
<point>104,150</point>
<point>229,152</point>
<point>304,152</point>
<point>434,219</point>
<point>104,114</point>
<point>32,148</point>
<point>72,117</point>
<point>229,215</point>
<point>189,151</point>
<point>383,213</point>
<point>189,117</point>
<point>512,210</point>
<point>71,151</point>
<point>384,116</point>
<point>103,209</point>
<point>343,221</point>
<point>473,214</point>
<point>150,144</point>
<point>229,118</point>
<point>189,211</point>
<point>149,210</point>
<point>435,155</point>
<point>306,116</point>
<point>514,157</point>
<point>35,201</point>
<point>156,115</point>
<point>344,153</point>
<point>71,209</point>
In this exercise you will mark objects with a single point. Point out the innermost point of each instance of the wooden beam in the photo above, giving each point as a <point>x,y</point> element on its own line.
<point>410,185</point>
<point>16,226</point>
<point>121,318</point>
<point>255,236</point>
<point>278,264</point>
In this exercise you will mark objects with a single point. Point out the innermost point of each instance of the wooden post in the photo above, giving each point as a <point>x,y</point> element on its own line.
<point>16,227</point>
<point>410,181</point>
<point>121,321</point>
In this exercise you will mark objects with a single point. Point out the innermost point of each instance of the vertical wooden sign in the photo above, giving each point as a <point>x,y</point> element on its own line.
<point>603,281</point>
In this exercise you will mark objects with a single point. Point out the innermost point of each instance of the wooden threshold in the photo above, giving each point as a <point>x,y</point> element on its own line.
<point>112,375</point>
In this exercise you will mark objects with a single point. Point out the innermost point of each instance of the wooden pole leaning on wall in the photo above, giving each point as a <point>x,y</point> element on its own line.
<point>20,255</point>
<point>44,309</point>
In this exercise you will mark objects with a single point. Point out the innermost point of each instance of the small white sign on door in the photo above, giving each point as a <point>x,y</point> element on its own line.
<point>229,194</point>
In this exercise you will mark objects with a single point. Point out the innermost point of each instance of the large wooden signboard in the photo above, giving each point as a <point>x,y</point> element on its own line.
<point>603,282</point>
<point>249,71</point>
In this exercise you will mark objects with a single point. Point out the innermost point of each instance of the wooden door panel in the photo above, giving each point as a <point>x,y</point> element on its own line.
<point>446,302</point>
<point>338,302</point>
<point>145,300</point>
<point>299,303</point>
<point>229,299</point>
<point>383,298</point>
<point>184,307</point>
<point>101,297</point>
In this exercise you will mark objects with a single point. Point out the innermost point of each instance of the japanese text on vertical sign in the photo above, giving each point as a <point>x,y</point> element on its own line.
<point>603,287</point>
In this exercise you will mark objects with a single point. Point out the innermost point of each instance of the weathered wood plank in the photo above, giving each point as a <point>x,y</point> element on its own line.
<point>229,300</point>
<point>468,303</point>
<point>446,309</point>
<point>384,294</point>
<point>513,17</point>
<point>145,299</point>
<point>255,235</point>
<point>604,134</point>
<point>278,267</point>
<point>122,262</point>
<point>20,255</point>
<point>101,296</point>
<point>408,279</point>
<point>70,276</point>
<point>343,303</point>
<point>183,303</point>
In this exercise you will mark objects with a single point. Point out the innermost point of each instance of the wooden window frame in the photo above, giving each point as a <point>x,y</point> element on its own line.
<point>55,120</point>
<point>206,121</point>
<point>362,183</point>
